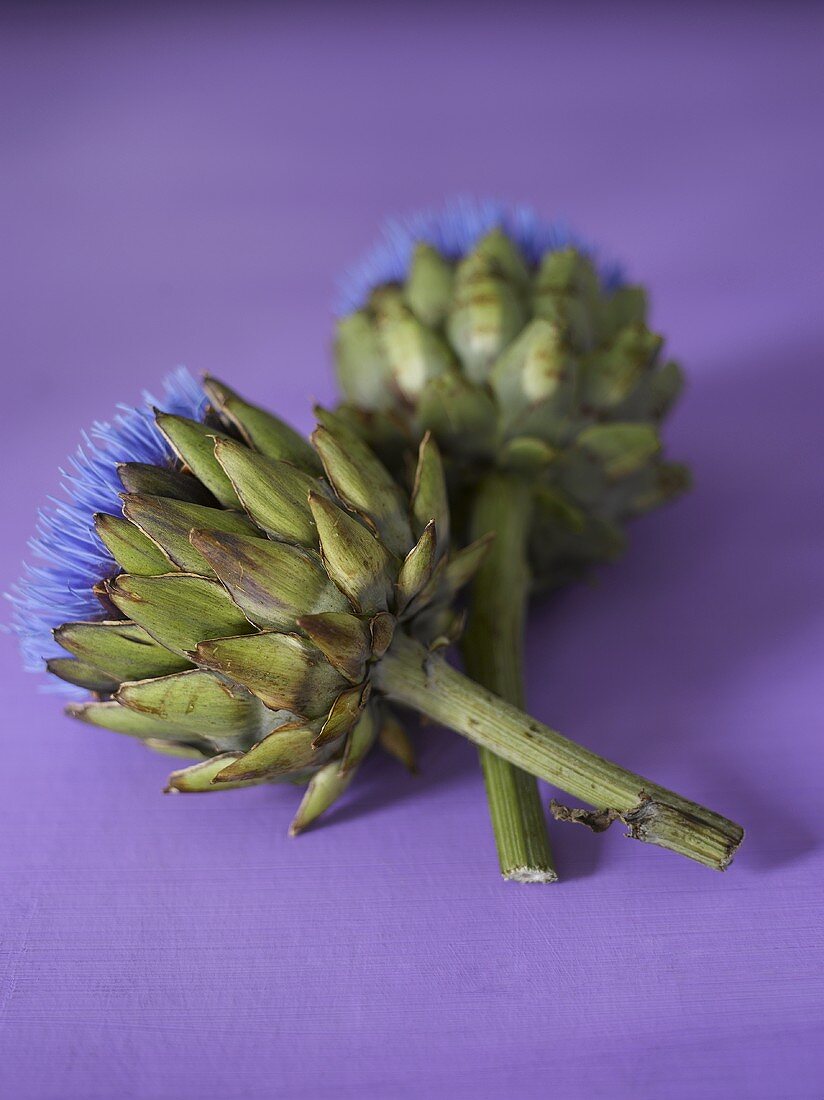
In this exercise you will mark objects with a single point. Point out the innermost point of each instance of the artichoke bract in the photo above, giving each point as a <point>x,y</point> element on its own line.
<point>270,600</point>
<point>536,371</point>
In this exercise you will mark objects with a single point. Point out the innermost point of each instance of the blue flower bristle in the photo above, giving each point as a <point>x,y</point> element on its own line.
<point>454,230</point>
<point>68,557</point>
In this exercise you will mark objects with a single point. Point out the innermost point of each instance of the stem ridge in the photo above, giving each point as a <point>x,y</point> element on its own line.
<point>492,647</point>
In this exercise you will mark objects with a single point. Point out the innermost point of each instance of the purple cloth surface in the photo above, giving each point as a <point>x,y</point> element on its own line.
<point>181,186</point>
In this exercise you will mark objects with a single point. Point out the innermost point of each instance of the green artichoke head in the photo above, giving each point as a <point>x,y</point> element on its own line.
<point>538,371</point>
<point>262,579</point>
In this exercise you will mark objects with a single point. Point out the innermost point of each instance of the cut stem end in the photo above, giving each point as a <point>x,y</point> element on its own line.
<point>653,821</point>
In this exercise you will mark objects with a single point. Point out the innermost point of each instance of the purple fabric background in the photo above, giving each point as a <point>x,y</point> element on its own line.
<point>182,186</point>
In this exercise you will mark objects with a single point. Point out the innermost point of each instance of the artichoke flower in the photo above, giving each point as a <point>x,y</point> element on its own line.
<point>269,600</point>
<point>536,371</point>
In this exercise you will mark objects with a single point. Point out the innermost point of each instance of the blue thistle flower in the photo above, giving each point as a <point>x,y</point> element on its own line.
<point>69,558</point>
<point>454,230</point>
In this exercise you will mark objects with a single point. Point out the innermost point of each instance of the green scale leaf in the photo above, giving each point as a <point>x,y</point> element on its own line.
<point>160,481</point>
<point>324,789</point>
<point>363,369</point>
<point>620,449</point>
<point>357,562</point>
<point>394,740</point>
<point>266,434</point>
<point>430,502</point>
<point>275,494</point>
<point>566,292</point>
<point>200,703</point>
<point>121,650</point>
<point>417,567</point>
<point>195,443</point>
<point>178,610</point>
<point>82,675</point>
<point>428,287</point>
<point>612,374</point>
<point>169,523</point>
<point>133,550</point>
<point>487,313</point>
<point>361,738</point>
<point>362,481</point>
<point>535,371</point>
<point>462,416</point>
<point>343,714</point>
<point>199,778</point>
<point>112,716</point>
<point>414,352</point>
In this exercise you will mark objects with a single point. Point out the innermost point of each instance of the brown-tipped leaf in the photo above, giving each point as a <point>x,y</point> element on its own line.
<point>535,368</point>
<point>111,715</point>
<point>612,375</point>
<point>285,671</point>
<point>487,313</point>
<point>416,354</point>
<point>285,751</point>
<point>382,629</point>
<point>461,414</point>
<point>618,449</point>
<point>274,583</point>
<point>344,640</point>
<point>343,714</point>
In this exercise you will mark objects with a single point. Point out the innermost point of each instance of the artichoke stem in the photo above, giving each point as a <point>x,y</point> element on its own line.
<point>493,655</point>
<point>412,676</point>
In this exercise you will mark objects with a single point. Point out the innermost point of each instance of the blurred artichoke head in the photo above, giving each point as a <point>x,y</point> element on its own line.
<point>539,367</point>
<point>262,579</point>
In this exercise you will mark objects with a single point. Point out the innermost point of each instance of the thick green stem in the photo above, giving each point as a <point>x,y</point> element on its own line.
<point>418,679</point>
<point>493,655</point>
